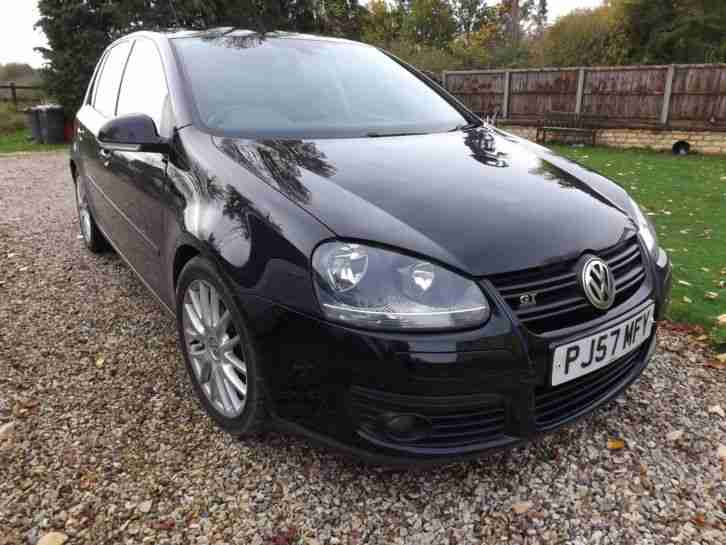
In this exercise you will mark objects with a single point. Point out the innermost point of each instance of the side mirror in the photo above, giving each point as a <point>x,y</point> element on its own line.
<point>133,132</point>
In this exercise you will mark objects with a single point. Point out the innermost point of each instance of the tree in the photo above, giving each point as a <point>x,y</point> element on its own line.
<point>430,22</point>
<point>585,37</point>
<point>471,15</point>
<point>383,23</point>
<point>674,31</point>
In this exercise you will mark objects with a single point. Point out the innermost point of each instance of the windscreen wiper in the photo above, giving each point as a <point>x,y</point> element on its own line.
<point>466,126</point>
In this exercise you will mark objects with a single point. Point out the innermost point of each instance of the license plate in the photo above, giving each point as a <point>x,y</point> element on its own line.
<point>589,354</point>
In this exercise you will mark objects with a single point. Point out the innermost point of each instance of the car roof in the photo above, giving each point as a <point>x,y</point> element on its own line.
<point>176,33</point>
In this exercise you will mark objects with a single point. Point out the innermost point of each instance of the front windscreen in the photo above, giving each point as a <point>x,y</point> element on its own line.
<point>259,86</point>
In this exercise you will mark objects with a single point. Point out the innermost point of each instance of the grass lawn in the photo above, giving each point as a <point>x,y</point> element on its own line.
<point>16,141</point>
<point>686,199</point>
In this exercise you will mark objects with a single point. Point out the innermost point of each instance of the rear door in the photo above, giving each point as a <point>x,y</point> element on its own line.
<point>99,108</point>
<point>139,178</point>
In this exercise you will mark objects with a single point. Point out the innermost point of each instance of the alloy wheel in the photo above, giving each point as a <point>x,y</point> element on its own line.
<point>215,349</point>
<point>84,215</point>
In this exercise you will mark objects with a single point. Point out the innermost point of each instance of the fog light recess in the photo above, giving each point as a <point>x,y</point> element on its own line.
<point>405,427</point>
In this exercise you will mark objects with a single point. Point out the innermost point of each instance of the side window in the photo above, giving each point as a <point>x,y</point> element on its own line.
<point>107,86</point>
<point>144,88</point>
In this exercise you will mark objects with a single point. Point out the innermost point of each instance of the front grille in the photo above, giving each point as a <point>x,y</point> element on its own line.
<point>560,301</point>
<point>456,421</point>
<point>556,404</point>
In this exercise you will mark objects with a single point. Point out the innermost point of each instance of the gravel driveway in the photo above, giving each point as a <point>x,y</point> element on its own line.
<point>102,441</point>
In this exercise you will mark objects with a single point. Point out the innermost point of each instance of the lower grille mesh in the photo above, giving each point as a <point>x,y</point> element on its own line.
<point>554,405</point>
<point>455,421</point>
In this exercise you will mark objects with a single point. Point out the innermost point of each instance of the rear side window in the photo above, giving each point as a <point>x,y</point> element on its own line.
<point>144,86</point>
<point>110,78</point>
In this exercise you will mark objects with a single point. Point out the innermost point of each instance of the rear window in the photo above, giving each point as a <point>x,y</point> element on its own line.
<point>293,87</point>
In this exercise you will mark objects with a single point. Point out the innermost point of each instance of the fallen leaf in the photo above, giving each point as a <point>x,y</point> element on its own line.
<point>722,452</point>
<point>721,357</point>
<point>721,320</point>
<point>53,538</point>
<point>100,361</point>
<point>675,435</point>
<point>6,431</point>
<point>717,409</point>
<point>702,338</point>
<point>699,519</point>
<point>145,506</point>
<point>711,295</point>
<point>522,507</point>
<point>164,524</point>
<point>687,300</point>
<point>716,364</point>
<point>615,444</point>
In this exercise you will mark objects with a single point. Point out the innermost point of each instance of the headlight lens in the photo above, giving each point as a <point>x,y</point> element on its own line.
<point>369,287</point>
<point>646,229</point>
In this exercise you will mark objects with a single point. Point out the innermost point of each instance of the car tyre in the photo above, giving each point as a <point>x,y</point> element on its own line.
<point>92,236</point>
<point>221,360</point>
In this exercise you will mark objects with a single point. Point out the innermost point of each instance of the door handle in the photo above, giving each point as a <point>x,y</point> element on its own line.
<point>105,156</point>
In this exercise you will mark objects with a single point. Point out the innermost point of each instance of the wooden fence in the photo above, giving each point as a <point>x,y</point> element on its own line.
<point>9,93</point>
<point>684,96</point>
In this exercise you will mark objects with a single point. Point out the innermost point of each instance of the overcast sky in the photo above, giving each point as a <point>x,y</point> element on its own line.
<point>17,37</point>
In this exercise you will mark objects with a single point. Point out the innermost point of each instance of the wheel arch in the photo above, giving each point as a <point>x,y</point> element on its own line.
<point>184,254</point>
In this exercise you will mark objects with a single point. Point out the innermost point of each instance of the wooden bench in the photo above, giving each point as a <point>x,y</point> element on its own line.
<point>565,123</point>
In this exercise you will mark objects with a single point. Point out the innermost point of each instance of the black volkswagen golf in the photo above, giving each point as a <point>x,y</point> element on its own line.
<point>352,254</point>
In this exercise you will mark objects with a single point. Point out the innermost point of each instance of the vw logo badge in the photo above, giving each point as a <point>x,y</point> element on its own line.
<point>597,282</point>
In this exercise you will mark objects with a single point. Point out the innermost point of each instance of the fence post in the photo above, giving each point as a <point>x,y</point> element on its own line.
<point>505,98</point>
<point>580,90</point>
<point>665,111</point>
<point>14,95</point>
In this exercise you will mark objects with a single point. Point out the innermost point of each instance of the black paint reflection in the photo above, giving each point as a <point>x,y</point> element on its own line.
<point>483,148</point>
<point>280,163</point>
<point>551,173</point>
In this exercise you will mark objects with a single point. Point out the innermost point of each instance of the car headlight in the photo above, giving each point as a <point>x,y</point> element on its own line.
<point>370,287</point>
<point>646,229</point>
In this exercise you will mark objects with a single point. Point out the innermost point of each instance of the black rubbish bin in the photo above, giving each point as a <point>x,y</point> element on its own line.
<point>32,121</point>
<point>52,124</point>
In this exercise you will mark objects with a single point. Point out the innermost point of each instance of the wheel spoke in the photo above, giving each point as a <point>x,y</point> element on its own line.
<point>197,305</point>
<point>223,323</point>
<point>229,344</point>
<point>233,378</point>
<point>205,371</point>
<point>193,316</point>
<point>232,359</point>
<point>215,304</point>
<point>205,312</point>
<point>196,349</point>
<point>221,388</point>
<point>193,335</point>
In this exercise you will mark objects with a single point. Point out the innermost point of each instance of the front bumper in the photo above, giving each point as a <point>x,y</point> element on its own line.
<point>459,393</point>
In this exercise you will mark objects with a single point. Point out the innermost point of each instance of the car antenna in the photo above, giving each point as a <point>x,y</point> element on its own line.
<point>174,14</point>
